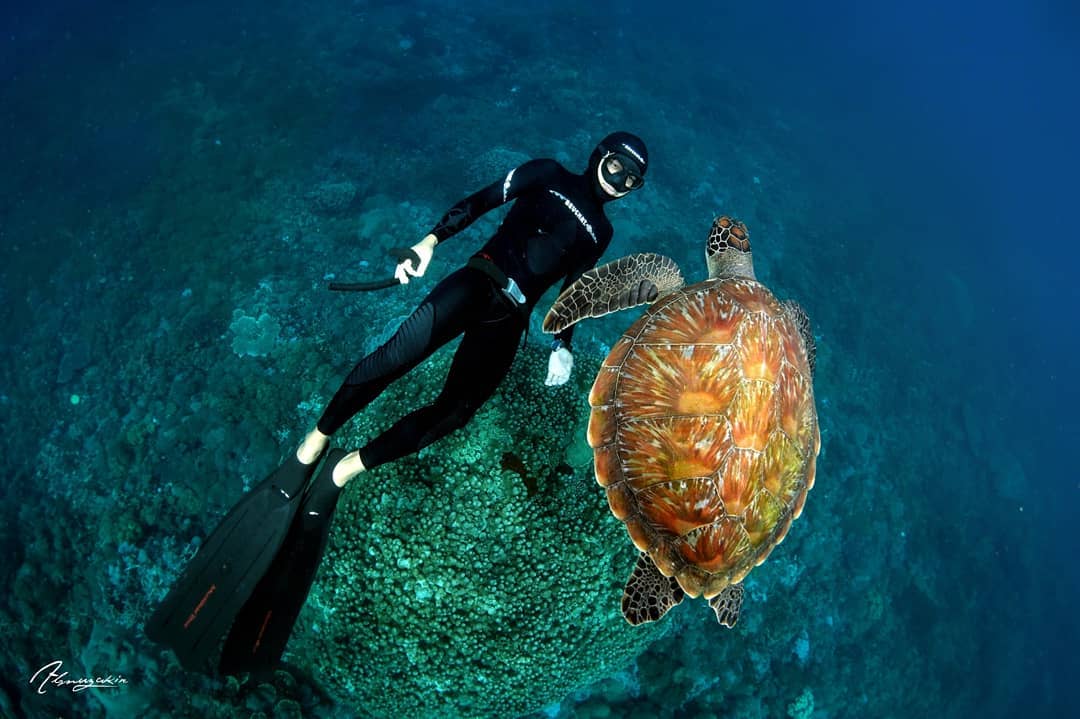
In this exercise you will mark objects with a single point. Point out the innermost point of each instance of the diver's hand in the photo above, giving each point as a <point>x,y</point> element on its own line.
<point>559,365</point>
<point>409,267</point>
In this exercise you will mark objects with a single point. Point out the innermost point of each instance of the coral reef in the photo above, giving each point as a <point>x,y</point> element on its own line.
<point>181,183</point>
<point>254,336</point>
<point>473,598</point>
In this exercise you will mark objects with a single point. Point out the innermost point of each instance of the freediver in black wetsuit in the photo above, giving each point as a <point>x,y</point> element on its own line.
<point>556,229</point>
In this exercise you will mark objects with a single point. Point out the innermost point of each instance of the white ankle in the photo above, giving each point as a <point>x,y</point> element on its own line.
<point>312,447</point>
<point>348,467</point>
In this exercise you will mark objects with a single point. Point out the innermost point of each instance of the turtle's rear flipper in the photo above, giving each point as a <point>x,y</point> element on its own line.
<point>649,594</point>
<point>627,282</point>
<point>727,604</point>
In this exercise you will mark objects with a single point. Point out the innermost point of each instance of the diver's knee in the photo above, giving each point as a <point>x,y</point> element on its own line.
<point>455,412</point>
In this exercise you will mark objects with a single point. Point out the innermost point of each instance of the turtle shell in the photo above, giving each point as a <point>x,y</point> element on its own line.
<point>704,431</point>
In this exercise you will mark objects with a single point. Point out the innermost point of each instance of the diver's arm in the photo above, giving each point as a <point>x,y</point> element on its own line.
<point>561,360</point>
<point>517,181</point>
<point>457,218</point>
<point>563,336</point>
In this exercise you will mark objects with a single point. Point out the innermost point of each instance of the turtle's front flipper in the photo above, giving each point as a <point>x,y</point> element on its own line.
<point>802,321</point>
<point>627,282</point>
<point>649,594</point>
<point>727,604</point>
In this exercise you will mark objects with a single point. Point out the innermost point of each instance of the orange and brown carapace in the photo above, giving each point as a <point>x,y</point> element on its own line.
<point>703,422</point>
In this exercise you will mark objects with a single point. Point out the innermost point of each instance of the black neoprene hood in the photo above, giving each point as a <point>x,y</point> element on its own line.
<point>622,142</point>
<point>625,143</point>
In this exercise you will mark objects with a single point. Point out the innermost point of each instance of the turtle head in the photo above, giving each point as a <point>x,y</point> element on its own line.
<point>728,250</point>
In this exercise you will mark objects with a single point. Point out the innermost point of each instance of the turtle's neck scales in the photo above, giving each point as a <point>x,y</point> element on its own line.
<point>731,263</point>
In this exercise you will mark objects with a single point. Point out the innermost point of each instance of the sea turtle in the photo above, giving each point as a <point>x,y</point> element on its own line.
<point>703,425</point>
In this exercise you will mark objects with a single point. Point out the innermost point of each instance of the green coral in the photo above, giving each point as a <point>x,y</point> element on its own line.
<point>803,706</point>
<point>333,198</point>
<point>447,590</point>
<point>253,337</point>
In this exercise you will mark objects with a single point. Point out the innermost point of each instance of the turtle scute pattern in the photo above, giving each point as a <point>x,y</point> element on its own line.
<point>704,431</point>
<point>602,290</point>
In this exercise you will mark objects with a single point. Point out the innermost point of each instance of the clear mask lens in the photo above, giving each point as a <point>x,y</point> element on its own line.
<point>621,172</point>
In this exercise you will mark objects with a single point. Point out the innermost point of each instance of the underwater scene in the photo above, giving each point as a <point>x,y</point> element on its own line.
<point>539,360</point>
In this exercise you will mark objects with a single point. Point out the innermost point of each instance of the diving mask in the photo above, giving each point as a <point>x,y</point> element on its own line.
<point>621,171</point>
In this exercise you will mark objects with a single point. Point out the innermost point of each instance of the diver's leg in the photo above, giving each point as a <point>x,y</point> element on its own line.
<point>444,314</point>
<point>480,363</point>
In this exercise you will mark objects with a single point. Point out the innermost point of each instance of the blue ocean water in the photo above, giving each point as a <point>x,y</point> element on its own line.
<point>180,180</point>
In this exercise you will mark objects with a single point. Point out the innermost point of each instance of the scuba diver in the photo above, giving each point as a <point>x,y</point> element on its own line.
<point>251,577</point>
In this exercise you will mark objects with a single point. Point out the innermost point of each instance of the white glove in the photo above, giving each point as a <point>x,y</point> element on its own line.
<point>407,268</point>
<point>559,365</point>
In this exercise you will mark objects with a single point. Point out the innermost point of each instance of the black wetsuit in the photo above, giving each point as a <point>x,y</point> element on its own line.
<point>555,230</point>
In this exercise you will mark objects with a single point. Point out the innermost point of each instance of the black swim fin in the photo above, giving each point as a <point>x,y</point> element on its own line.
<point>201,606</point>
<point>262,628</point>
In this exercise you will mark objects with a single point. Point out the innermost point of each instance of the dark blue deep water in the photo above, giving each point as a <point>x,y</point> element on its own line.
<point>178,181</point>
